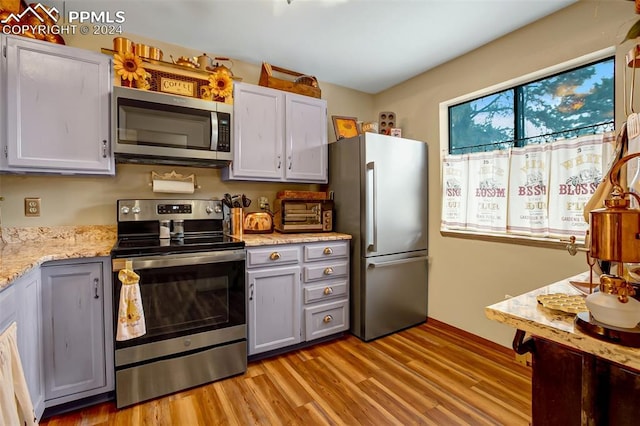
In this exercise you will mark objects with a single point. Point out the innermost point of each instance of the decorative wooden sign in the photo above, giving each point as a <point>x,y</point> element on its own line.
<point>177,87</point>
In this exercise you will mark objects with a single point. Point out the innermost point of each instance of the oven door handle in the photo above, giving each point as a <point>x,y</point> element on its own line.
<point>183,259</point>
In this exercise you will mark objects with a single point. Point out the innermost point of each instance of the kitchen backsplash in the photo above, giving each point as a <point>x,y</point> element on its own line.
<point>82,200</point>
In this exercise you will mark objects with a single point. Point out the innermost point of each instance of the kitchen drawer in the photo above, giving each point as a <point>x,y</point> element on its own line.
<point>330,290</point>
<point>325,271</point>
<point>326,319</point>
<point>326,250</point>
<point>272,256</point>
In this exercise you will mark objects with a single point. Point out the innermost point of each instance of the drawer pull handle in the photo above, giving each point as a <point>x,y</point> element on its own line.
<point>327,319</point>
<point>327,250</point>
<point>328,271</point>
<point>328,291</point>
<point>274,256</point>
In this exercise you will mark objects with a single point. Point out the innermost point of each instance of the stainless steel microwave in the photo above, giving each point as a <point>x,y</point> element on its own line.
<point>158,128</point>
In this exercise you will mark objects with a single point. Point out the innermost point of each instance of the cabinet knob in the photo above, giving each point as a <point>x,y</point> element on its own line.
<point>104,148</point>
<point>328,291</point>
<point>327,319</point>
<point>328,271</point>
<point>327,250</point>
<point>274,256</point>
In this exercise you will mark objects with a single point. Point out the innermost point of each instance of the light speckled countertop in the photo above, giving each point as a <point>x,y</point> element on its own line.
<point>525,313</point>
<point>252,240</point>
<point>24,249</point>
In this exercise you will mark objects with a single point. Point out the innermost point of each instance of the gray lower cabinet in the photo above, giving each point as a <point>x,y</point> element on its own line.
<point>77,330</point>
<point>21,303</point>
<point>296,293</point>
<point>273,294</point>
<point>325,272</point>
<point>29,318</point>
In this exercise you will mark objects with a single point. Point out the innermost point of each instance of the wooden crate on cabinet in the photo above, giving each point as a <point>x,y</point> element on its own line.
<point>298,86</point>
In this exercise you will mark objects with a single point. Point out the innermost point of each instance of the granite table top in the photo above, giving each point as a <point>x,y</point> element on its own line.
<point>24,249</point>
<point>525,313</point>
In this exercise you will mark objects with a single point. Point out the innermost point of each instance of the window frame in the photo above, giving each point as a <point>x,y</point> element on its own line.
<point>544,242</point>
<point>519,136</point>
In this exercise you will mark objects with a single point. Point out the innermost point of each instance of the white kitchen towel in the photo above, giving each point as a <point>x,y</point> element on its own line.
<point>576,171</point>
<point>455,187</point>
<point>131,322</point>
<point>488,187</point>
<point>16,407</point>
<point>528,212</point>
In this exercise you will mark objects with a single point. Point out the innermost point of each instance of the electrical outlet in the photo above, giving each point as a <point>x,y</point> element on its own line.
<point>32,207</point>
<point>263,202</point>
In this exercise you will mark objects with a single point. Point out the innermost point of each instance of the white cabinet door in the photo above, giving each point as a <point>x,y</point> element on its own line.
<point>29,317</point>
<point>273,319</point>
<point>57,108</point>
<point>258,132</point>
<point>278,136</point>
<point>306,139</point>
<point>74,327</point>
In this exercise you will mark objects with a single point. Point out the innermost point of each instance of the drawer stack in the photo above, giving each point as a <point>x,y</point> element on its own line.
<point>325,283</point>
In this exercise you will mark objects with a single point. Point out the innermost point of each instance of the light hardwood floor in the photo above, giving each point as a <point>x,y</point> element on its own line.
<point>431,374</point>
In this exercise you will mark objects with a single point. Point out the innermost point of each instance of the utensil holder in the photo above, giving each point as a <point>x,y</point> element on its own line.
<point>237,218</point>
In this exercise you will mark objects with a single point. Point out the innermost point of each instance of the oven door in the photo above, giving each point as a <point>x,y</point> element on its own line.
<point>190,301</point>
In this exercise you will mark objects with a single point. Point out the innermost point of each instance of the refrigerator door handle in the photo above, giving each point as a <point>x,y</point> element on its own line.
<point>397,262</point>
<point>371,195</point>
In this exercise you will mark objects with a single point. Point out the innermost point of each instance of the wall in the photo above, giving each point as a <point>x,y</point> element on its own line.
<point>467,275</point>
<point>70,200</point>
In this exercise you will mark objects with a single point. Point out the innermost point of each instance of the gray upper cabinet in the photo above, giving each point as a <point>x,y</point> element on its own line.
<point>77,331</point>
<point>57,109</point>
<point>278,136</point>
<point>258,130</point>
<point>306,139</point>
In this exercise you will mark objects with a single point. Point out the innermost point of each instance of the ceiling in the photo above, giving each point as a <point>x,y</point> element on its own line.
<point>367,45</point>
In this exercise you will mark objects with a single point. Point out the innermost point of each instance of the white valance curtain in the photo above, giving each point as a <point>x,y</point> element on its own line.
<point>536,190</point>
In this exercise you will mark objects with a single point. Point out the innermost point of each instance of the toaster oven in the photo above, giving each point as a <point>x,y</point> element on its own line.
<point>303,215</point>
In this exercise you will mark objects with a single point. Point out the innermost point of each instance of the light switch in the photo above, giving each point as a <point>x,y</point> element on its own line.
<point>32,207</point>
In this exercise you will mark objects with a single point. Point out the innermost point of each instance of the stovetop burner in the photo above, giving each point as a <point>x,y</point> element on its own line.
<point>150,246</point>
<point>200,221</point>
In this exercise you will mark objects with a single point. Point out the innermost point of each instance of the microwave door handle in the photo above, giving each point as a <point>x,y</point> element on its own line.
<point>214,131</point>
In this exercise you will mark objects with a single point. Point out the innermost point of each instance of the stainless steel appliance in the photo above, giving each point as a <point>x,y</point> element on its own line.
<point>303,215</point>
<point>159,128</point>
<point>193,296</point>
<point>379,184</point>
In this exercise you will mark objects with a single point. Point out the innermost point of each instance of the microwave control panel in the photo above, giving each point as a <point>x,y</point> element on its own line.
<point>224,132</point>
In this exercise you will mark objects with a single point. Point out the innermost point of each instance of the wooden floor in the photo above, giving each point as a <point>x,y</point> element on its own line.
<point>432,374</point>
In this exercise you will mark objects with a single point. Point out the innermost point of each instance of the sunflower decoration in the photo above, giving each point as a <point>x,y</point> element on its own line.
<point>221,84</point>
<point>129,66</point>
<point>143,83</point>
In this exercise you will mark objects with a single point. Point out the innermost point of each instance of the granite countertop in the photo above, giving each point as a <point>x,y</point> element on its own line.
<point>525,313</point>
<point>252,240</point>
<point>24,249</point>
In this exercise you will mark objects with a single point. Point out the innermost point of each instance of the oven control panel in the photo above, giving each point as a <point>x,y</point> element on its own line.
<point>175,209</point>
<point>139,210</point>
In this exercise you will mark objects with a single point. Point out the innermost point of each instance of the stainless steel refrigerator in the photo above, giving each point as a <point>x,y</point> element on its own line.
<point>379,185</point>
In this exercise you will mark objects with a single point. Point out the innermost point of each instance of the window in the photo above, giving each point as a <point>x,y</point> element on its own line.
<point>521,159</point>
<point>569,104</point>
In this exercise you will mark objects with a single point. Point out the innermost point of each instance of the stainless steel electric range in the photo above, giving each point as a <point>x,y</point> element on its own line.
<point>192,283</point>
